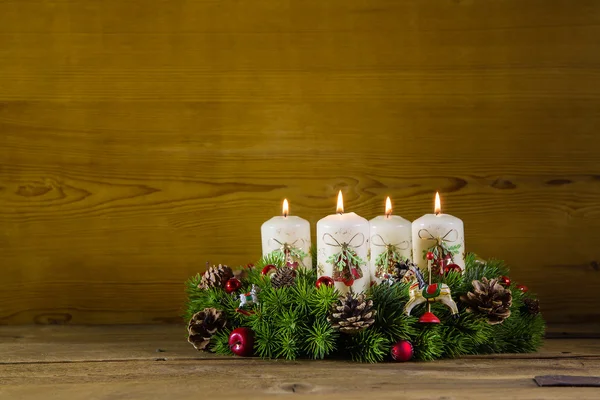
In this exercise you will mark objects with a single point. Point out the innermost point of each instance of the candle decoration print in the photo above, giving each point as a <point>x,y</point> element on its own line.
<point>347,265</point>
<point>342,248</point>
<point>287,239</point>
<point>442,235</point>
<point>390,243</point>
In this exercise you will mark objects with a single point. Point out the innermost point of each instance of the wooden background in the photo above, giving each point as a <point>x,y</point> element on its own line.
<point>139,139</point>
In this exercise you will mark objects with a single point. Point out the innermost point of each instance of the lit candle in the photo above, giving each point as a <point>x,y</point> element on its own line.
<point>288,237</point>
<point>342,248</point>
<point>390,242</point>
<point>441,234</point>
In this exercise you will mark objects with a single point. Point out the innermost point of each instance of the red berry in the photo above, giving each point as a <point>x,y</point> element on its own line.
<point>241,341</point>
<point>233,285</point>
<point>430,256</point>
<point>522,288</point>
<point>504,280</point>
<point>402,351</point>
<point>324,281</point>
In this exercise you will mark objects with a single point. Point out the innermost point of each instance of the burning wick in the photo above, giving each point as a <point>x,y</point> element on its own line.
<point>340,203</point>
<point>286,208</point>
<point>388,207</point>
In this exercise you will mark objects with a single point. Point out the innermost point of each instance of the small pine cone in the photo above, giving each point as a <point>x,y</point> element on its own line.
<point>216,276</point>
<point>531,306</point>
<point>489,298</point>
<point>402,271</point>
<point>283,277</point>
<point>352,314</point>
<point>203,326</point>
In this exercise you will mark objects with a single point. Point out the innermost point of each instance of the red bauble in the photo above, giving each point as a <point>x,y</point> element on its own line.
<point>402,351</point>
<point>249,266</point>
<point>430,256</point>
<point>324,280</point>
<point>504,280</point>
<point>241,342</point>
<point>522,288</point>
<point>452,268</point>
<point>268,269</point>
<point>233,285</point>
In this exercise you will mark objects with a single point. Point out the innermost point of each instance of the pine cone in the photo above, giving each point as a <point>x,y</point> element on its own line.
<point>203,326</point>
<point>401,270</point>
<point>283,277</point>
<point>216,277</point>
<point>531,306</point>
<point>489,298</point>
<point>352,314</point>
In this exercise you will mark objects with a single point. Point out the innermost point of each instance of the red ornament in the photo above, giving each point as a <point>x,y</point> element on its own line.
<point>403,351</point>
<point>429,318</point>
<point>430,256</point>
<point>233,285</point>
<point>522,288</point>
<point>249,266</point>
<point>268,269</point>
<point>504,280</point>
<point>324,280</point>
<point>452,268</point>
<point>241,342</point>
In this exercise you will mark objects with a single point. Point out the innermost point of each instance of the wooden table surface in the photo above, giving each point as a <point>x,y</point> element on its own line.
<point>127,362</point>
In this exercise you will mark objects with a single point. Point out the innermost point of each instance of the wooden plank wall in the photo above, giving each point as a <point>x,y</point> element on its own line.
<point>139,139</point>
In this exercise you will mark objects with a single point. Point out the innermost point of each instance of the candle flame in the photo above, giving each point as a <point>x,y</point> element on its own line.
<point>388,207</point>
<point>438,205</point>
<point>340,203</point>
<point>286,208</point>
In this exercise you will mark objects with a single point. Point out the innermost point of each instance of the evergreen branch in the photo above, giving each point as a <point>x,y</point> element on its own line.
<point>219,343</point>
<point>368,346</point>
<point>320,340</point>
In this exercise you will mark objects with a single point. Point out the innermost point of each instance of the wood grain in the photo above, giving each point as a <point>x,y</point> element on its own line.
<point>122,362</point>
<point>138,142</point>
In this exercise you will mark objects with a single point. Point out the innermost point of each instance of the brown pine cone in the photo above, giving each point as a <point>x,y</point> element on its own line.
<point>531,306</point>
<point>489,298</point>
<point>283,277</point>
<point>215,276</point>
<point>402,271</point>
<point>352,314</point>
<point>203,326</point>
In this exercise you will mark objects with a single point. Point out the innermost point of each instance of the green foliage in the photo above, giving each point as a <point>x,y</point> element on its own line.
<point>291,322</point>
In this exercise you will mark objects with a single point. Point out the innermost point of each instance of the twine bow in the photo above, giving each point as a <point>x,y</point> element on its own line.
<point>283,246</point>
<point>446,238</point>
<point>389,246</point>
<point>344,245</point>
<point>291,254</point>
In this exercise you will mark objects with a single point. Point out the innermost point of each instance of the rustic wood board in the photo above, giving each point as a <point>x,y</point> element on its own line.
<point>138,142</point>
<point>56,344</point>
<point>119,362</point>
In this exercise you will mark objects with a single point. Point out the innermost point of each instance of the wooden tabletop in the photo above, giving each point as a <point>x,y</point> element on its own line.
<point>127,362</point>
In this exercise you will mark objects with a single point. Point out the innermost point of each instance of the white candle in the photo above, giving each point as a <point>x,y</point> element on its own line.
<point>289,237</point>
<point>443,235</point>
<point>342,248</point>
<point>390,242</point>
